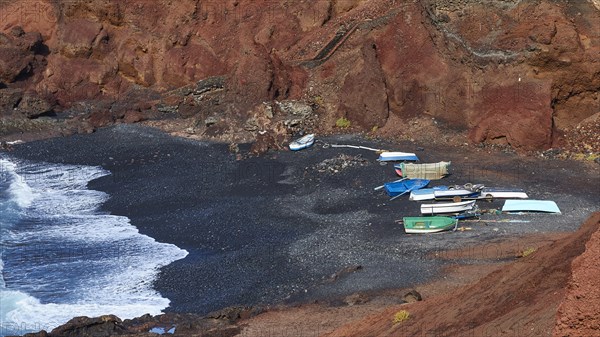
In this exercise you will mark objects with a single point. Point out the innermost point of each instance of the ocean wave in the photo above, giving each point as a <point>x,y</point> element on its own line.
<point>62,257</point>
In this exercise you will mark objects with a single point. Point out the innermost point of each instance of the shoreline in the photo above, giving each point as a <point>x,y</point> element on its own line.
<point>339,223</point>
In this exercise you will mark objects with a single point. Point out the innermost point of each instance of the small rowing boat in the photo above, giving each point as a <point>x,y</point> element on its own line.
<point>398,156</point>
<point>451,194</point>
<point>502,193</point>
<point>426,193</point>
<point>428,224</point>
<point>303,142</point>
<point>450,207</point>
<point>401,187</point>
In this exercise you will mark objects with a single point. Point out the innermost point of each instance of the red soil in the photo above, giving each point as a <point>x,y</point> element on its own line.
<point>519,299</point>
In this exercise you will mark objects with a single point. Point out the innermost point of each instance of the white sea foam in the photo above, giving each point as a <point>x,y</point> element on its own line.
<point>19,191</point>
<point>112,265</point>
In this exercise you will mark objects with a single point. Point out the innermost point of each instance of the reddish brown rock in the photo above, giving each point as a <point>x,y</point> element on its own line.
<point>100,119</point>
<point>440,59</point>
<point>77,38</point>
<point>517,115</point>
<point>578,316</point>
<point>17,55</point>
<point>363,97</point>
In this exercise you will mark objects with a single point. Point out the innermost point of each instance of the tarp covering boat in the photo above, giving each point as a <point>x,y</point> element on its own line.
<point>546,206</point>
<point>430,171</point>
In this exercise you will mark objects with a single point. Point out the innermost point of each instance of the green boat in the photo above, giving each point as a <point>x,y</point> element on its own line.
<point>428,224</point>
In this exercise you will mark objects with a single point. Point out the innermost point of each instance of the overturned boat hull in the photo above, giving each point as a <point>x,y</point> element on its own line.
<point>543,206</point>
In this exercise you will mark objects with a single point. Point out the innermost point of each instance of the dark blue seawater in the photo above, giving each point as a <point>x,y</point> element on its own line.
<point>62,257</point>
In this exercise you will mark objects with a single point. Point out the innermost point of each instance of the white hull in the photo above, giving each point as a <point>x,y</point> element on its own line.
<point>453,207</point>
<point>503,195</point>
<point>452,193</point>
<point>421,197</point>
<point>433,230</point>
<point>302,143</point>
<point>393,156</point>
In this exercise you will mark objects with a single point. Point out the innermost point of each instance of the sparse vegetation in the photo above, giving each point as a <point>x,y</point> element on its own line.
<point>401,316</point>
<point>586,156</point>
<point>318,100</point>
<point>528,252</point>
<point>342,122</point>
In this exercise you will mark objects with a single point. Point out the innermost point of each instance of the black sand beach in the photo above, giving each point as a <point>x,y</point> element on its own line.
<point>273,229</point>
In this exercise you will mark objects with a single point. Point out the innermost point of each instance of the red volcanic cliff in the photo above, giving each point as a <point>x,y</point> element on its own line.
<point>522,73</point>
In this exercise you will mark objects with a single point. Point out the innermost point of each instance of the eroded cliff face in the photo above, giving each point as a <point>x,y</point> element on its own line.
<point>522,73</point>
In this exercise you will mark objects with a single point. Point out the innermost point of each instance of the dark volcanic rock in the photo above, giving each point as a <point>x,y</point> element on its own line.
<point>102,326</point>
<point>32,106</point>
<point>9,99</point>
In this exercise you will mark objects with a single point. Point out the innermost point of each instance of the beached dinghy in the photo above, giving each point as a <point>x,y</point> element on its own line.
<point>456,195</point>
<point>397,188</point>
<point>303,142</point>
<point>423,171</point>
<point>450,207</point>
<point>426,193</point>
<point>398,156</point>
<point>459,192</point>
<point>545,206</point>
<point>428,224</point>
<point>502,193</point>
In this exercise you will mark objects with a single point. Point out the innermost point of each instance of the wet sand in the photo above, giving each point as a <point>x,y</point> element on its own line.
<point>274,230</point>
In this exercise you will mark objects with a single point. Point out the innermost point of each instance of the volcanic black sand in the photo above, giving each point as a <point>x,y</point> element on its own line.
<point>273,229</point>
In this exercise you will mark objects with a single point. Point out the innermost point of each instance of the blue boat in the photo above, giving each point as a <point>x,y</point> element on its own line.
<point>401,187</point>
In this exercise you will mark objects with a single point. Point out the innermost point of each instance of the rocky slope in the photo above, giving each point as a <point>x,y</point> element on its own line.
<point>522,73</point>
<point>520,299</point>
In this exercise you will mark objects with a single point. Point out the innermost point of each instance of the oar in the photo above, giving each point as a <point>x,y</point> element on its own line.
<point>359,147</point>
<point>403,193</point>
<point>382,186</point>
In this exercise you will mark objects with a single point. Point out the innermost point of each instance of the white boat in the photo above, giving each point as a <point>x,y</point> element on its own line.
<point>425,193</point>
<point>451,207</point>
<point>303,142</point>
<point>451,193</point>
<point>503,193</point>
<point>398,156</point>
